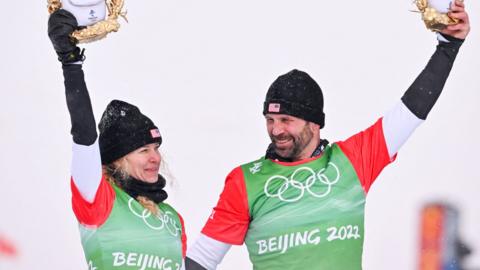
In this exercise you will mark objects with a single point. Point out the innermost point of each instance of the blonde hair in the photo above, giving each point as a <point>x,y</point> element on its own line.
<point>166,172</point>
<point>149,205</point>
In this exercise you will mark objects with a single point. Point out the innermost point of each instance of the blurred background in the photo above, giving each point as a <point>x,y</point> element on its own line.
<point>200,70</point>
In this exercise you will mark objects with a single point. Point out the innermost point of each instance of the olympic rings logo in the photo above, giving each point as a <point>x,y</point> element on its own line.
<point>277,185</point>
<point>157,222</point>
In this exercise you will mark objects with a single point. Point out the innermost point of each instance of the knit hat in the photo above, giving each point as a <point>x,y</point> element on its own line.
<point>297,94</point>
<point>123,128</point>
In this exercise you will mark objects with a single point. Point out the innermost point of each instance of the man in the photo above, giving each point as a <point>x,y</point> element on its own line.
<point>302,205</point>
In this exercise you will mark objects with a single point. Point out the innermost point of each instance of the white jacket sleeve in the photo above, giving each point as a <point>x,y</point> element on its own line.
<point>208,252</point>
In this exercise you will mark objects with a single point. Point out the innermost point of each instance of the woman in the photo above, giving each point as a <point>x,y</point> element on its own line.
<point>117,192</point>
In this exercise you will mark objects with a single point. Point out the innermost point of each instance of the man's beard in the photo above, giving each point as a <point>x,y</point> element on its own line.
<point>298,143</point>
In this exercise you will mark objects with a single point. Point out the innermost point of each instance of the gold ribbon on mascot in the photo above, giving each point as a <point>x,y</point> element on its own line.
<point>100,29</point>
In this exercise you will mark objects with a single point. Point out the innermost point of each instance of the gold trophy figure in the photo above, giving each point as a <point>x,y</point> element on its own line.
<point>435,13</point>
<point>91,17</point>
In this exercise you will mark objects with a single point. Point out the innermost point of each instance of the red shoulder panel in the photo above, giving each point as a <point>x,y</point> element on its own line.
<point>184,236</point>
<point>229,220</point>
<point>368,153</point>
<point>96,213</point>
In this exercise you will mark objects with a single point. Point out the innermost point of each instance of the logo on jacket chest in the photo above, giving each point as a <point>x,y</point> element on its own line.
<point>256,167</point>
<point>304,181</point>
<point>163,220</point>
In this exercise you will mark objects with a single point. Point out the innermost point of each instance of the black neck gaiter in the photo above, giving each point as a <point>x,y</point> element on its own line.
<point>135,187</point>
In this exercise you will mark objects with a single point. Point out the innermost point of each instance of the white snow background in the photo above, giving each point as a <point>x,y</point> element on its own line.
<point>200,70</point>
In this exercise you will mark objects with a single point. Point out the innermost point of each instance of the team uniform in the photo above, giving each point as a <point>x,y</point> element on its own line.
<point>306,214</point>
<point>309,214</point>
<point>117,232</point>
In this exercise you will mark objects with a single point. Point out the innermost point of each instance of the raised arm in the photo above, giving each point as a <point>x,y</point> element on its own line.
<point>86,161</point>
<point>420,97</point>
<point>372,149</point>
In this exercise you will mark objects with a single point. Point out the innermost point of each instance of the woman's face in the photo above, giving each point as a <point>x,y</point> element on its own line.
<point>142,163</point>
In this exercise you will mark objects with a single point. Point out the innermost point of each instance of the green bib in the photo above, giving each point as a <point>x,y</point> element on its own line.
<point>305,216</point>
<point>133,238</point>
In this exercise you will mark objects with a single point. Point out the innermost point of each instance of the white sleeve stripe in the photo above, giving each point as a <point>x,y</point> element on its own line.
<point>208,252</point>
<point>398,124</point>
<point>441,38</point>
<point>86,169</point>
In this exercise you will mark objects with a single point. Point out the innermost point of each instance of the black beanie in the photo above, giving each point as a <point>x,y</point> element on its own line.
<point>123,128</point>
<point>297,94</point>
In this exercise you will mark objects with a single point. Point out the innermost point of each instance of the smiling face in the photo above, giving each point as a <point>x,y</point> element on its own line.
<point>294,138</point>
<point>143,163</point>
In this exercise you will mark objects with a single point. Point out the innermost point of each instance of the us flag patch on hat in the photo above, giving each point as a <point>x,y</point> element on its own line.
<point>155,133</point>
<point>274,107</point>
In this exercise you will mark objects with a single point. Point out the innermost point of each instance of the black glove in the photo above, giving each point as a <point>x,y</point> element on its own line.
<point>60,25</point>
